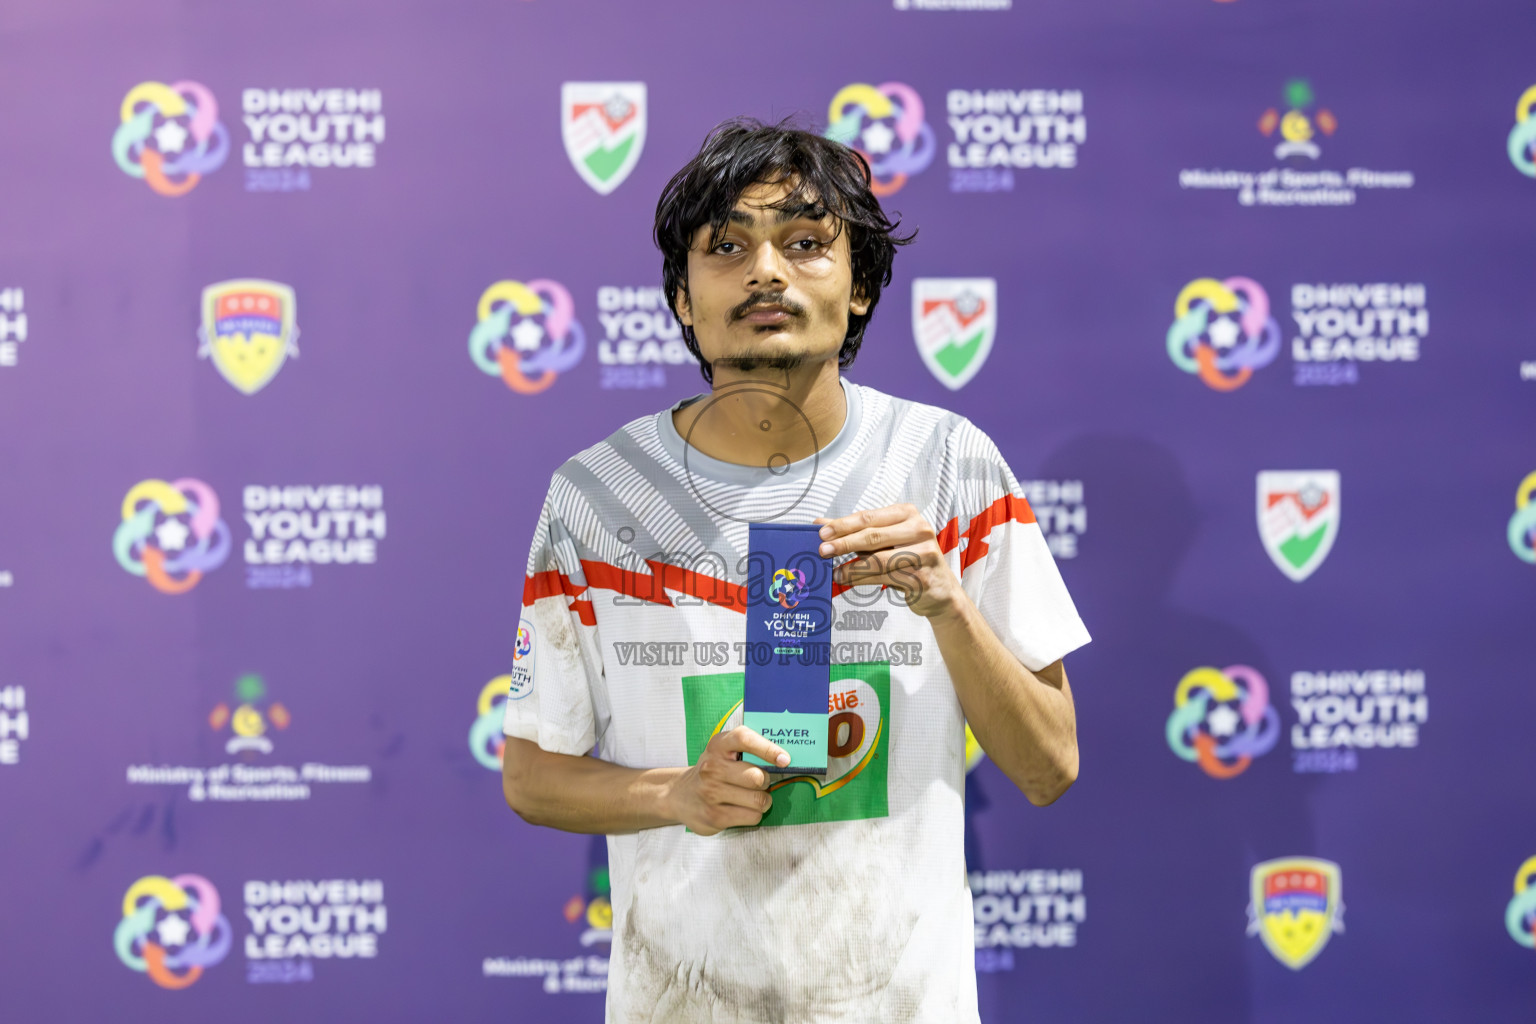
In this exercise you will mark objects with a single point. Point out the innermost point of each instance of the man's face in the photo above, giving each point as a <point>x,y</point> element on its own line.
<point>775,289</point>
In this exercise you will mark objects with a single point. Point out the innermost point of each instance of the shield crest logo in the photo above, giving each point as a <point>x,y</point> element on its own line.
<point>248,329</point>
<point>1298,518</point>
<point>953,321</point>
<point>1296,906</point>
<point>603,126</point>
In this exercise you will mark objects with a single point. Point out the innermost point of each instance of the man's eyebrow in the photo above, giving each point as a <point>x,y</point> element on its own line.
<point>795,211</point>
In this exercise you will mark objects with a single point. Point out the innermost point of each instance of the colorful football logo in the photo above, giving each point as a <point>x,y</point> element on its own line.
<point>1298,518</point>
<point>170,136</point>
<point>603,127</point>
<point>171,533</point>
<point>248,329</point>
<point>1522,137</point>
<point>1222,719</point>
<point>526,334</point>
<point>954,320</point>
<point>885,123</point>
<point>171,929</point>
<point>786,587</point>
<point>1296,126</point>
<point>1222,331</point>
<point>486,740</point>
<point>250,717</point>
<point>1522,525</point>
<point>1296,906</point>
<point>1520,915</point>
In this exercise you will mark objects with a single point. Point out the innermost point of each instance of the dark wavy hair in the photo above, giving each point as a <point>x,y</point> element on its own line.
<point>743,152</point>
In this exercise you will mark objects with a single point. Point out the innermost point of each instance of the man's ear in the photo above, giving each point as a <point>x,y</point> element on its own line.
<point>858,305</point>
<point>684,310</point>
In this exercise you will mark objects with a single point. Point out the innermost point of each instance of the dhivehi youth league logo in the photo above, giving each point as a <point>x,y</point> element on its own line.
<point>1222,331</point>
<point>171,533</point>
<point>1296,906</point>
<point>486,740</point>
<point>170,135</point>
<point>1298,518</point>
<point>1522,525</point>
<point>954,320</point>
<point>1520,915</point>
<point>786,587</point>
<point>1222,719</point>
<point>603,127</point>
<point>884,123</point>
<point>526,334</point>
<point>248,330</point>
<point>1522,137</point>
<point>171,929</point>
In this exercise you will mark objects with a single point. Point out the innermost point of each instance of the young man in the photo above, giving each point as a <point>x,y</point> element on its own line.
<point>848,902</point>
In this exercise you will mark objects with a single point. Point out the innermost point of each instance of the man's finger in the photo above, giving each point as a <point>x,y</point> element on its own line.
<point>748,741</point>
<point>887,516</point>
<point>878,538</point>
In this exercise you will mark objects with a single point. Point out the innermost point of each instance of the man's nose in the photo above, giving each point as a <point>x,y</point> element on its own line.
<point>765,268</point>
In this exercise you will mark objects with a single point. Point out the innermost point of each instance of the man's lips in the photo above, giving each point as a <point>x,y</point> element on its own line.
<point>767,315</point>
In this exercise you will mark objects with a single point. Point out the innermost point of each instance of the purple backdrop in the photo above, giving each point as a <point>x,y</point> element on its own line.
<point>259,790</point>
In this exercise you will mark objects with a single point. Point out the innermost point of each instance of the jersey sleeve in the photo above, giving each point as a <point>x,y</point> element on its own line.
<point>1006,567</point>
<point>556,661</point>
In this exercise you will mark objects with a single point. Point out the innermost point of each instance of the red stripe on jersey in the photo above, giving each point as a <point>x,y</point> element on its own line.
<point>1008,508</point>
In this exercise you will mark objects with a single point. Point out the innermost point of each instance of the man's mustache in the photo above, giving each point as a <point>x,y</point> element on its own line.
<point>757,300</point>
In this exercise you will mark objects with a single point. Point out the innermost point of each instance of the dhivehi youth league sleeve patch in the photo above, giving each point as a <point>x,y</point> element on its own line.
<point>523,656</point>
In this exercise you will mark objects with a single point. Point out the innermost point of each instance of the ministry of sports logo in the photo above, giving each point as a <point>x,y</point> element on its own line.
<point>248,330</point>
<point>1296,904</point>
<point>249,719</point>
<point>884,123</point>
<point>954,320</point>
<point>1520,914</point>
<point>1298,518</point>
<point>1299,125</point>
<point>171,929</point>
<point>1222,719</point>
<point>603,127</point>
<point>526,334</point>
<point>171,533</point>
<point>1522,137</point>
<point>170,135</point>
<point>1222,331</point>
<point>1522,525</point>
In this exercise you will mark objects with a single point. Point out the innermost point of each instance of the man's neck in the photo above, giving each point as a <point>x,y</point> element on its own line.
<point>766,417</point>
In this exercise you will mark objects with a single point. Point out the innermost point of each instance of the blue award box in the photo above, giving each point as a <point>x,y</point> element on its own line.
<point>789,644</point>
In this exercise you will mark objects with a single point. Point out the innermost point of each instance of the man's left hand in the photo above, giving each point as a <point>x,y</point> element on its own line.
<point>897,548</point>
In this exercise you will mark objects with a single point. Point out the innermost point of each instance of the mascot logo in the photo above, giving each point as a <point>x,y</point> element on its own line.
<point>486,740</point>
<point>954,321</point>
<point>603,127</point>
<point>786,587</point>
<point>885,124</point>
<point>248,330</point>
<point>1298,128</point>
<point>1520,915</point>
<point>1296,907</point>
<point>1222,720</point>
<point>171,929</point>
<point>171,533</point>
<point>1522,137</point>
<point>170,136</point>
<point>250,717</point>
<point>1222,331</point>
<point>1298,518</point>
<point>1522,525</point>
<point>526,334</point>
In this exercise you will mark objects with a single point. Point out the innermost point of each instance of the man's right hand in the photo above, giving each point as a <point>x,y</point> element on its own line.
<point>722,791</point>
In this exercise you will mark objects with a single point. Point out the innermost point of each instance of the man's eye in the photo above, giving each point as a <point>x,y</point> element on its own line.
<point>806,244</point>
<point>727,248</point>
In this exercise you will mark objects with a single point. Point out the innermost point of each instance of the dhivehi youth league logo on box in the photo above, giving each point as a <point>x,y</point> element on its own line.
<point>1297,905</point>
<point>954,320</point>
<point>248,330</point>
<point>603,126</point>
<point>1298,518</point>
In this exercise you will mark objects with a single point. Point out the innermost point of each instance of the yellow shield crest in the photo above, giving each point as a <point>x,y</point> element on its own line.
<point>248,329</point>
<point>1297,905</point>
